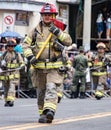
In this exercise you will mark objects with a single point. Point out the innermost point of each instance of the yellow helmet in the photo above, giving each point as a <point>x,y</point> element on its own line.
<point>101,45</point>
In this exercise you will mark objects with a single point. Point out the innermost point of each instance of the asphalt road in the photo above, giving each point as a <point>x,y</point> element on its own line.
<point>72,114</point>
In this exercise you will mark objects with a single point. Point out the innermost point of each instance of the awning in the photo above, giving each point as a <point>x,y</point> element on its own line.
<point>68,1</point>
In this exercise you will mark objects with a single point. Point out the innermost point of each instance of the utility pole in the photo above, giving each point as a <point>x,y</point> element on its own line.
<point>87,24</point>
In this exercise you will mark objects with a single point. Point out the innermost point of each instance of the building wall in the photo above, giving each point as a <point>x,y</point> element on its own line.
<point>34,18</point>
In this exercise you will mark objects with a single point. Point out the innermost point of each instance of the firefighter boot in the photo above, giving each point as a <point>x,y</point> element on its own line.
<point>9,104</point>
<point>74,95</point>
<point>82,95</point>
<point>46,117</point>
<point>42,119</point>
<point>50,116</point>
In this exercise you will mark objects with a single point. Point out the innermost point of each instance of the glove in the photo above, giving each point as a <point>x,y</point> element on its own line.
<point>33,61</point>
<point>3,65</point>
<point>22,67</point>
<point>53,29</point>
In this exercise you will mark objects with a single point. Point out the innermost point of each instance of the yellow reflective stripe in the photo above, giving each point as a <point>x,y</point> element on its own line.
<point>62,36</point>
<point>28,40</point>
<point>12,65</point>
<point>49,65</point>
<point>59,94</point>
<point>98,93</point>
<point>16,76</point>
<point>40,111</point>
<point>89,64</point>
<point>98,63</point>
<point>28,52</point>
<point>68,64</point>
<point>50,106</point>
<point>11,76</point>
<point>2,77</point>
<point>40,44</point>
<point>98,73</point>
<point>10,98</point>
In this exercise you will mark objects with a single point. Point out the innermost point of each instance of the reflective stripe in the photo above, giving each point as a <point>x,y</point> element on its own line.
<point>40,44</point>
<point>98,93</point>
<point>59,94</point>
<point>50,106</point>
<point>12,65</point>
<point>2,77</point>
<point>49,65</point>
<point>89,64</point>
<point>28,52</point>
<point>40,111</point>
<point>16,76</point>
<point>10,98</point>
<point>98,73</point>
<point>28,40</point>
<point>98,63</point>
<point>11,76</point>
<point>68,64</point>
<point>62,36</point>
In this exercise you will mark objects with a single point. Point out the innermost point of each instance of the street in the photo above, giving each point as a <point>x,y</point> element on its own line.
<point>72,114</point>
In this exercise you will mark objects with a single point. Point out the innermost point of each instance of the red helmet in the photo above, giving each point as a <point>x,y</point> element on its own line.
<point>48,8</point>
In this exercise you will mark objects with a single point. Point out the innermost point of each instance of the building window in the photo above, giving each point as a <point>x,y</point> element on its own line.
<point>22,18</point>
<point>63,11</point>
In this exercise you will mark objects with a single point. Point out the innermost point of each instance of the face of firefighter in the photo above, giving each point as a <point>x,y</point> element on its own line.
<point>101,50</point>
<point>46,18</point>
<point>10,48</point>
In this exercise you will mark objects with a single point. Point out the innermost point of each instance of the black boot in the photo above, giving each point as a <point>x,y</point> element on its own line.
<point>74,95</point>
<point>42,119</point>
<point>50,116</point>
<point>82,95</point>
<point>46,117</point>
<point>9,104</point>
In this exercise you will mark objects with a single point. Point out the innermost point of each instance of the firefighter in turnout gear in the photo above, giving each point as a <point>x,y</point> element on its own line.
<point>47,70</point>
<point>100,63</point>
<point>10,61</point>
<point>80,65</point>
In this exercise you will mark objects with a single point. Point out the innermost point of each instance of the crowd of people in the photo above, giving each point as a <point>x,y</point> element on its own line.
<point>55,64</point>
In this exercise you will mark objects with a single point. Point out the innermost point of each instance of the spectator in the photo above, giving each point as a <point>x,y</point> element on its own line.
<point>18,47</point>
<point>108,26</point>
<point>99,23</point>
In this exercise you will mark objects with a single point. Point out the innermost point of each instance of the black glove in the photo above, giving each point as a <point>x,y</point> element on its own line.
<point>33,61</point>
<point>53,29</point>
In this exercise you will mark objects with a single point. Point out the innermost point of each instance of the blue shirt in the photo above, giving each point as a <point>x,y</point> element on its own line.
<point>18,49</point>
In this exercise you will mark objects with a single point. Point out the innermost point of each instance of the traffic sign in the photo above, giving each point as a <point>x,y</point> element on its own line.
<point>8,20</point>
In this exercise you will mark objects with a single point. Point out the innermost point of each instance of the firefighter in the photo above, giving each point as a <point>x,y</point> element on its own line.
<point>100,62</point>
<point>10,61</point>
<point>46,71</point>
<point>80,65</point>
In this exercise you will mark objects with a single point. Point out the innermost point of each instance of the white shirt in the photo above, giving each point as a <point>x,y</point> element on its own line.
<point>99,18</point>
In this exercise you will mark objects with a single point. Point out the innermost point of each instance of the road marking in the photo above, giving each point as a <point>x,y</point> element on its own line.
<point>56,121</point>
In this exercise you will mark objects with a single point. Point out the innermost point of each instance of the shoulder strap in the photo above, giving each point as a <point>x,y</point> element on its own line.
<point>4,54</point>
<point>34,37</point>
<point>16,56</point>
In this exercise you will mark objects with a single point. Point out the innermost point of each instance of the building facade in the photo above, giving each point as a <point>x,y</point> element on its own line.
<point>19,15</point>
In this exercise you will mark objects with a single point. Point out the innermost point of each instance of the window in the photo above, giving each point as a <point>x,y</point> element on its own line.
<point>22,18</point>
<point>63,11</point>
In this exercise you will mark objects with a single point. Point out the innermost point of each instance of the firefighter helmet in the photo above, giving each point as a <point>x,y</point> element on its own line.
<point>11,42</point>
<point>101,45</point>
<point>48,8</point>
